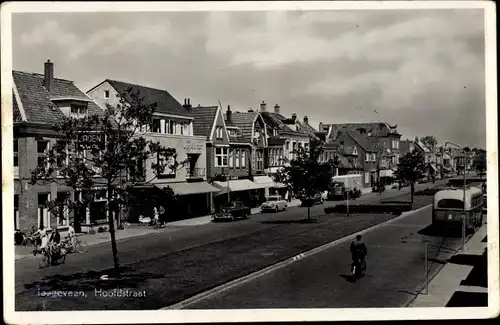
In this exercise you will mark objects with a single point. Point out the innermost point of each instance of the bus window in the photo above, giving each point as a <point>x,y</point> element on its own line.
<point>450,204</point>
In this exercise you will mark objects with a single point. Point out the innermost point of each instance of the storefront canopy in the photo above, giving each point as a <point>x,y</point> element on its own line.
<point>186,188</point>
<point>264,181</point>
<point>386,173</point>
<point>236,186</point>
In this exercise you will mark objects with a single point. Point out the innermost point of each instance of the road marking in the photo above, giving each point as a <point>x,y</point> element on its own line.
<point>236,282</point>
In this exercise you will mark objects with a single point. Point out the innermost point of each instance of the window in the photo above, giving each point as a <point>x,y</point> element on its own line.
<point>374,157</point>
<point>355,151</point>
<point>78,111</point>
<point>106,94</point>
<point>156,125</point>
<point>367,178</point>
<point>16,158</point>
<point>16,212</point>
<point>395,144</point>
<point>231,158</point>
<point>62,163</point>
<point>172,127</point>
<point>183,127</point>
<point>450,204</point>
<point>260,161</point>
<point>167,162</point>
<point>221,155</point>
<point>42,149</point>
<point>219,131</point>
<point>243,159</point>
<point>237,158</point>
<point>367,157</point>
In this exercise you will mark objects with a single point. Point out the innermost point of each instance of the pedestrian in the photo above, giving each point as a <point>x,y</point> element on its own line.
<point>41,233</point>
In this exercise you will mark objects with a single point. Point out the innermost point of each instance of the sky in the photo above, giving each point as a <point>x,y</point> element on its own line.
<point>423,70</point>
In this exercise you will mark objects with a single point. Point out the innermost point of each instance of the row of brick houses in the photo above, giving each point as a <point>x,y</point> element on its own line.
<point>224,154</point>
<point>221,151</point>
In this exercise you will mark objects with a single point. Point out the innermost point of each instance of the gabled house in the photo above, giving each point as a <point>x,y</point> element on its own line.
<point>40,101</point>
<point>362,153</point>
<point>385,135</point>
<point>171,126</point>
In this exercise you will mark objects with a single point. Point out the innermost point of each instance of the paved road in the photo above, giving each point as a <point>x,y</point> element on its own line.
<point>395,273</point>
<point>157,251</point>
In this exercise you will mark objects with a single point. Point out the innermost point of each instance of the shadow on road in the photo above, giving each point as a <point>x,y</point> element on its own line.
<point>348,277</point>
<point>301,221</point>
<point>436,231</point>
<point>88,281</point>
<point>468,299</point>
<point>478,276</point>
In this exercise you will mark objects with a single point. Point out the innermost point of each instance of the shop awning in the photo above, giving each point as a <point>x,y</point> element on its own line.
<point>185,188</point>
<point>266,182</point>
<point>386,173</point>
<point>236,186</point>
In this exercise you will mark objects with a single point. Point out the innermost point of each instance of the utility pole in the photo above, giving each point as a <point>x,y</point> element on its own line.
<point>464,193</point>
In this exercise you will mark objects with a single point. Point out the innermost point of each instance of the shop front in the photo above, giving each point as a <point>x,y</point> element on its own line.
<point>237,190</point>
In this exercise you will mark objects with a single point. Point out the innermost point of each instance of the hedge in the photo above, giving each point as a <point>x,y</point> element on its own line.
<point>396,208</point>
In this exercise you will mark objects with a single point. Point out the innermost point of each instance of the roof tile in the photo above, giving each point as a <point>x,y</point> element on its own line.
<point>203,119</point>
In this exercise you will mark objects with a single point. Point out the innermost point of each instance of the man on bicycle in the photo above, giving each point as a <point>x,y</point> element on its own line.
<point>358,251</point>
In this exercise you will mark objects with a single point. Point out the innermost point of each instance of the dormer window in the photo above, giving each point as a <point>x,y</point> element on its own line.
<point>78,111</point>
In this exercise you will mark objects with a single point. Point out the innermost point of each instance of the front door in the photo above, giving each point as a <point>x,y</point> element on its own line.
<point>43,212</point>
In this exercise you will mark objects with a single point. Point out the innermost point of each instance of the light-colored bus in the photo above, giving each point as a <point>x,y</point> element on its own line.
<point>448,208</point>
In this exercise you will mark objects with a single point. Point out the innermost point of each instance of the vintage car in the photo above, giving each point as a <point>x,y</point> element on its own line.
<point>274,203</point>
<point>232,211</point>
<point>316,199</point>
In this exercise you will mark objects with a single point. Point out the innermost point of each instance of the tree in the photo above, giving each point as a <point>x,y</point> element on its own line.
<point>429,141</point>
<point>411,168</point>
<point>479,163</point>
<point>305,175</point>
<point>94,152</point>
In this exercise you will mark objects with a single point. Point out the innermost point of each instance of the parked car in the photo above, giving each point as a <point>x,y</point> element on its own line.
<point>316,199</point>
<point>232,211</point>
<point>274,203</point>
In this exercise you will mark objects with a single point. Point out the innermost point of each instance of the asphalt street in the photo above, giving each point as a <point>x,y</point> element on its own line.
<point>194,244</point>
<point>395,273</point>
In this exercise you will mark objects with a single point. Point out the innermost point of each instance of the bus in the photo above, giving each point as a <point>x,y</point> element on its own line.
<point>448,208</point>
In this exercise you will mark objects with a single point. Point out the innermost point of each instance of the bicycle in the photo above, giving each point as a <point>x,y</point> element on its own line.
<point>48,257</point>
<point>77,244</point>
<point>358,268</point>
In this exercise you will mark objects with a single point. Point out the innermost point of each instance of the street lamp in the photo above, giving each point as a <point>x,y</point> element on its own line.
<point>465,185</point>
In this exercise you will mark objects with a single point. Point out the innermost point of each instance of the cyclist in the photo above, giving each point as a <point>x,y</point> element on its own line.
<point>71,233</point>
<point>42,234</point>
<point>358,251</point>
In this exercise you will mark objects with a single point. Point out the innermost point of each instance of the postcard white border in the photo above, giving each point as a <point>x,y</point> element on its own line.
<point>251,315</point>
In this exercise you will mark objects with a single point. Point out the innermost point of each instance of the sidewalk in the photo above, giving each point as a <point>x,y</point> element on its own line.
<point>207,219</point>
<point>22,252</point>
<point>461,281</point>
<point>134,230</point>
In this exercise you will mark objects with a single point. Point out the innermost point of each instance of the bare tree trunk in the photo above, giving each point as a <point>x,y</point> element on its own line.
<point>412,191</point>
<point>111,224</point>
<point>309,211</point>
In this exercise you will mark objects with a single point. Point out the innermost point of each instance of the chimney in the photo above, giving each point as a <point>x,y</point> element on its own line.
<point>263,106</point>
<point>48,75</point>
<point>306,120</point>
<point>187,104</point>
<point>228,114</point>
<point>294,117</point>
<point>416,139</point>
<point>277,109</point>
<point>320,127</point>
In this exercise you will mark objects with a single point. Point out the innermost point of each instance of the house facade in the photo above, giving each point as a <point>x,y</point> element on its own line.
<point>361,154</point>
<point>285,136</point>
<point>185,171</point>
<point>385,137</point>
<point>39,102</point>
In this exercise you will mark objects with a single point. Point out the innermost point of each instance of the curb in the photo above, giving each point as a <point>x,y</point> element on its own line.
<point>279,265</point>
<point>440,269</point>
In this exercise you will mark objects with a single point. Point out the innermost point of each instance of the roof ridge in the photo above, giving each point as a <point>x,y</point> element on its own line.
<point>41,75</point>
<point>137,85</point>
